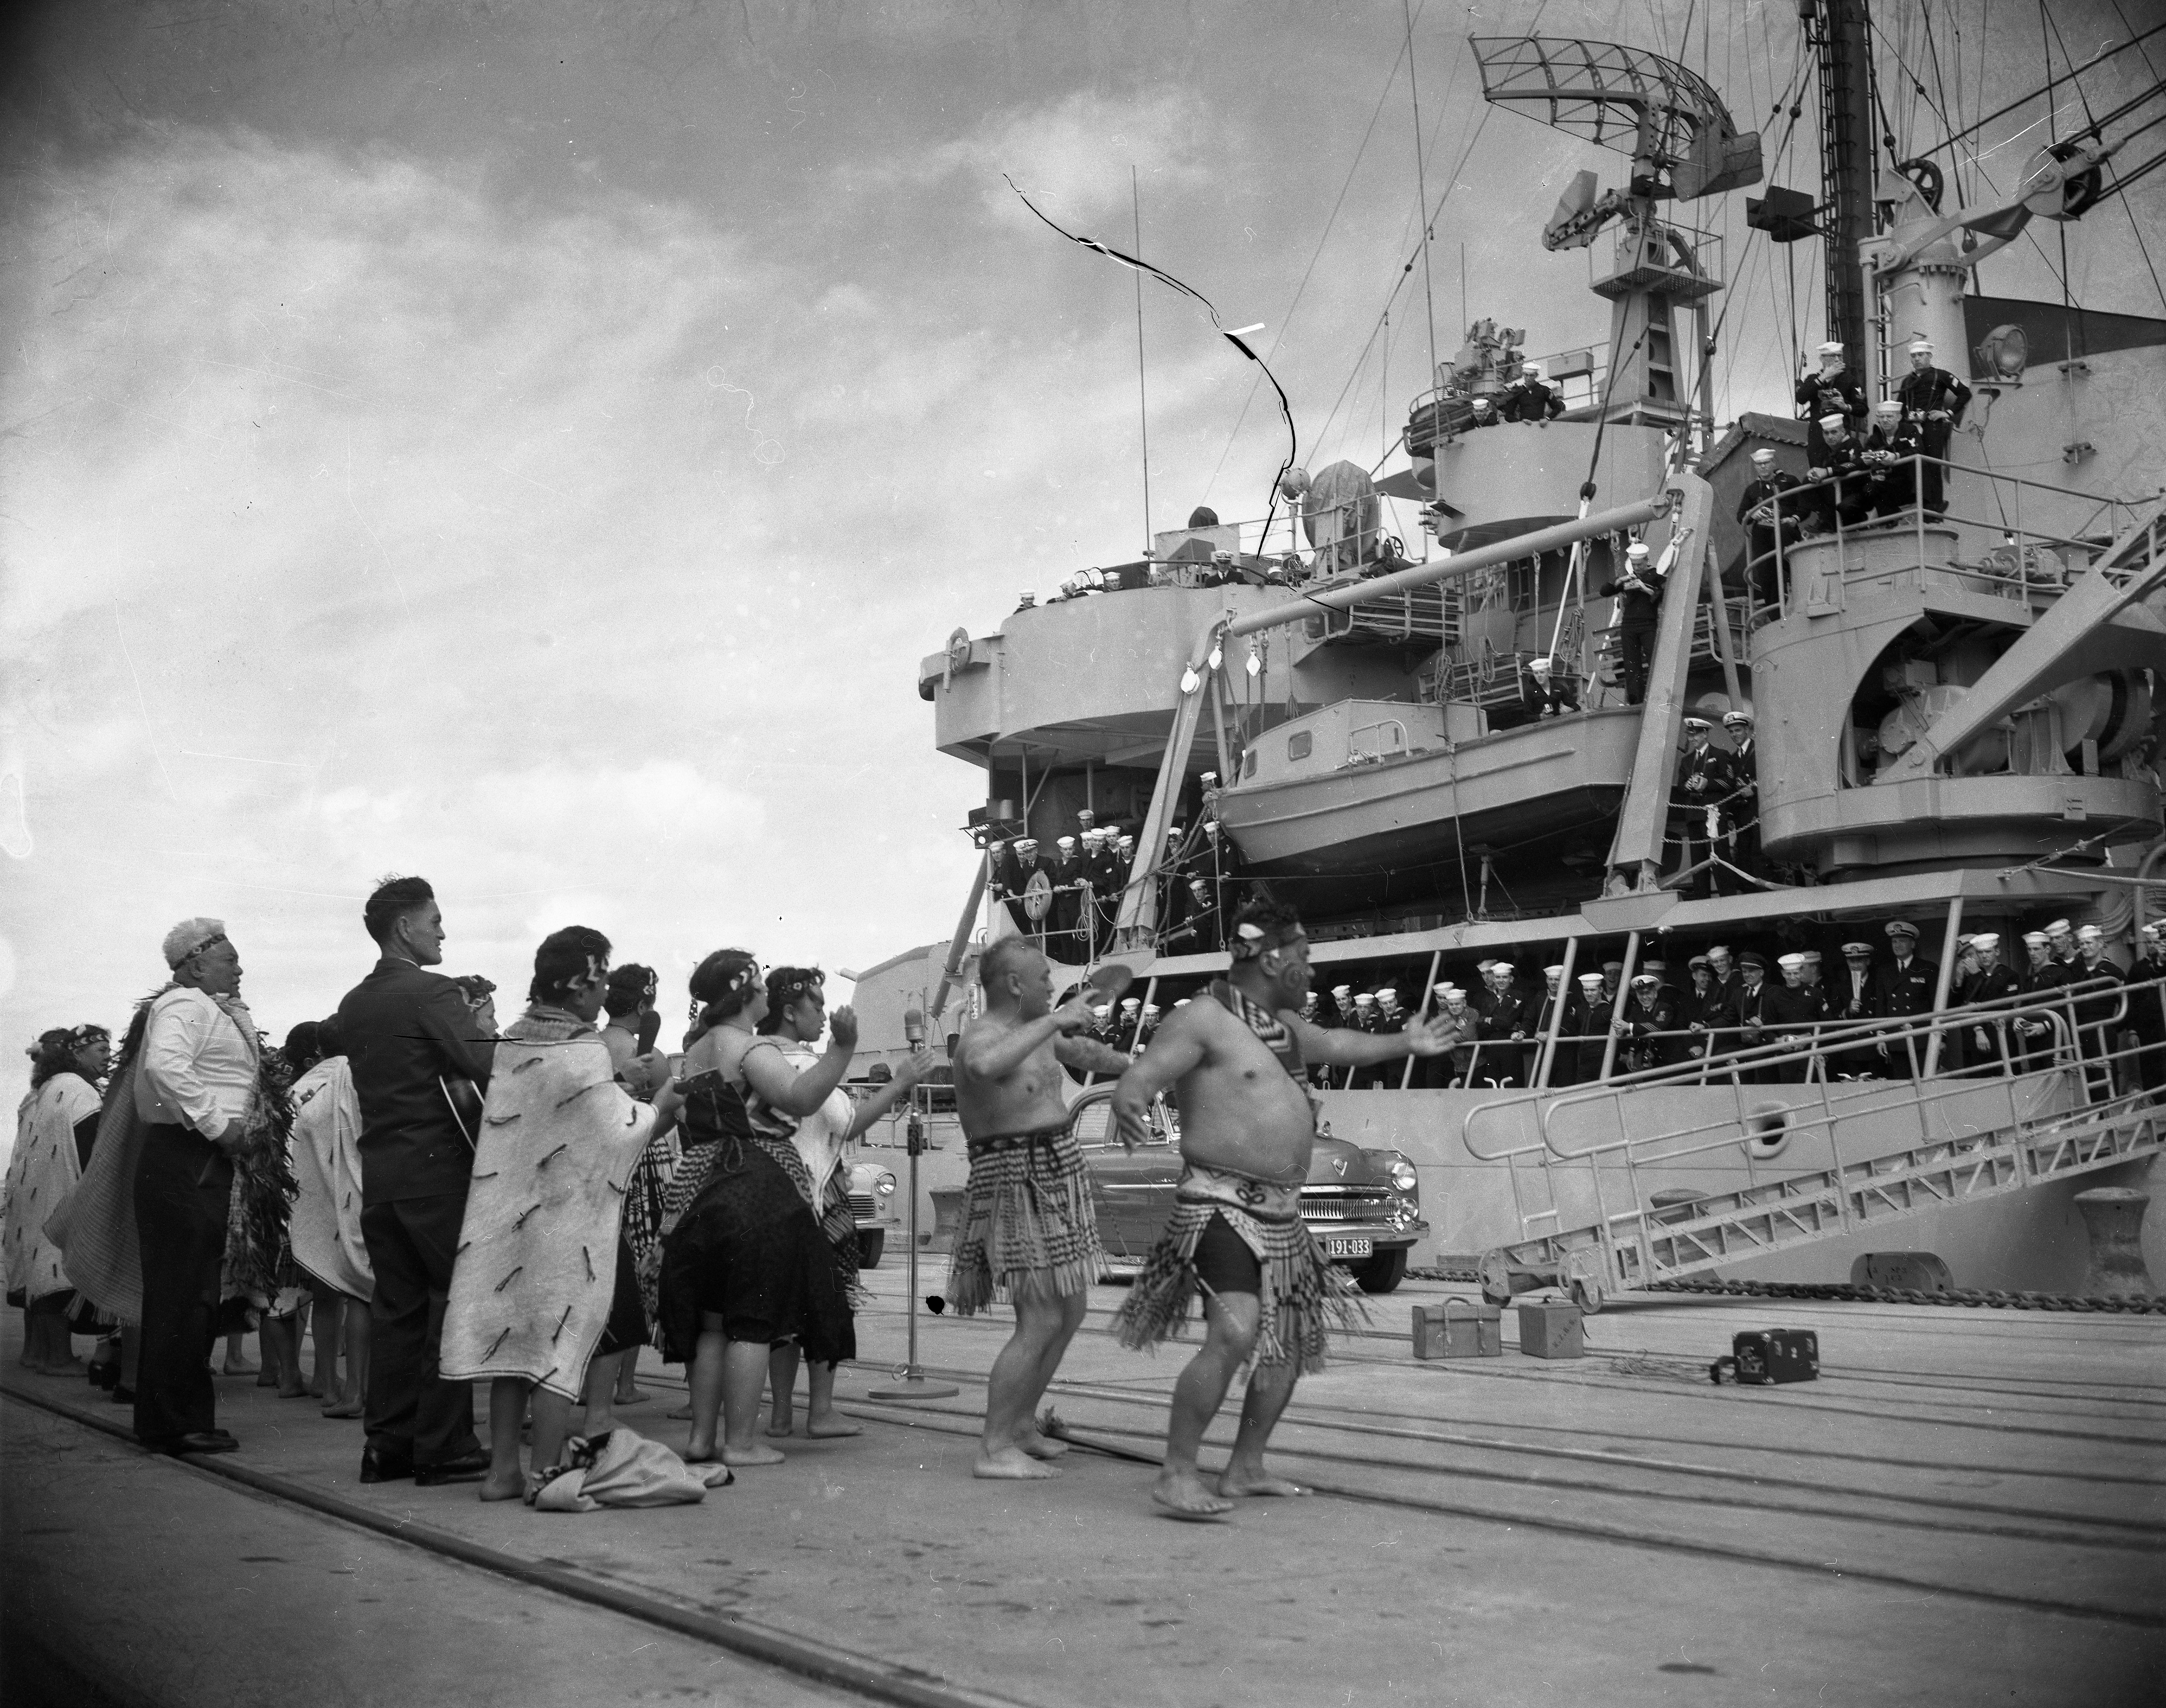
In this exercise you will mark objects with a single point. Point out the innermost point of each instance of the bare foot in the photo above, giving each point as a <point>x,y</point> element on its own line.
<point>1256,1483</point>
<point>1182,1495</point>
<point>343,1408</point>
<point>1041,1446</point>
<point>266,1377</point>
<point>511,1488</point>
<point>296,1392</point>
<point>682,1413</point>
<point>1013,1464</point>
<point>753,1455</point>
<point>781,1425</point>
<point>60,1367</point>
<point>318,1389</point>
<point>237,1367</point>
<point>832,1427</point>
<point>636,1397</point>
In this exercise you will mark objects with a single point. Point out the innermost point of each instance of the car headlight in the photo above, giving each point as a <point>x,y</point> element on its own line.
<point>884,1186</point>
<point>1403,1177</point>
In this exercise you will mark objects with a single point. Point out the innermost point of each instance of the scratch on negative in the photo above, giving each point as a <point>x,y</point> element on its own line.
<point>561,1321</point>
<point>503,1336</point>
<point>553,1155</point>
<point>506,1281</point>
<point>587,1257</point>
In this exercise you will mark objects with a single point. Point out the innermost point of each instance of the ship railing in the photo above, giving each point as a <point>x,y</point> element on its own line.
<point>2030,567</point>
<point>2071,1030</point>
<point>2067,1114</point>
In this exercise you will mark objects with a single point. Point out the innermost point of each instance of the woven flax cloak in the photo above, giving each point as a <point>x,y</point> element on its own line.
<point>536,1264</point>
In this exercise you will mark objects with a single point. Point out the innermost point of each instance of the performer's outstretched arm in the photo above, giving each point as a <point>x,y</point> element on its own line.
<point>1178,1047</point>
<point>1344,1048</point>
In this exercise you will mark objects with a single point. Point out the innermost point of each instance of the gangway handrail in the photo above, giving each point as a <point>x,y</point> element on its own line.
<point>2015,1004</point>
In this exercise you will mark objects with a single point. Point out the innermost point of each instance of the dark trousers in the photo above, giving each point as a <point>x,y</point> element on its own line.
<point>411,1412</point>
<point>182,1184</point>
<point>1637,651</point>
<point>1932,475</point>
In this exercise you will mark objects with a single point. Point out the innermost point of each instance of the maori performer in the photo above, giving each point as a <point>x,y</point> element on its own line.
<point>1248,1127</point>
<point>55,1129</point>
<point>1028,1228</point>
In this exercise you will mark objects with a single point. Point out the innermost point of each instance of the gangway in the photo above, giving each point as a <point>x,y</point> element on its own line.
<point>1976,1137</point>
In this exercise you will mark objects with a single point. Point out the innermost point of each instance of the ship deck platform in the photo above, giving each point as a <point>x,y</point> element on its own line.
<point>1967,1506</point>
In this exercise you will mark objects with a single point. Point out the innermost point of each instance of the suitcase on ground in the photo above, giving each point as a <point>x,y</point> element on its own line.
<point>1458,1328</point>
<point>1765,1357</point>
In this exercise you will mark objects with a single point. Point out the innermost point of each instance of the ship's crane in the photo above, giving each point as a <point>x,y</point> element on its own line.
<point>1682,144</point>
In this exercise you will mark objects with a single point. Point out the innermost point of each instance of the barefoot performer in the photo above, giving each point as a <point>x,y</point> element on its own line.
<point>1028,1229</point>
<point>1247,1127</point>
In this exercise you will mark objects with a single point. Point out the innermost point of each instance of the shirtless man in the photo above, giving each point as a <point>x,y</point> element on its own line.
<point>1238,1052</point>
<point>1028,1229</point>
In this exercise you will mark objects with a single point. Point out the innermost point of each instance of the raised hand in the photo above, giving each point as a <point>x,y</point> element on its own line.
<point>1430,1037</point>
<point>844,1025</point>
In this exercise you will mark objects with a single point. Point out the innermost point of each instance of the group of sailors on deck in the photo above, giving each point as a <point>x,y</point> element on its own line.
<point>1864,463</point>
<point>1728,1003</point>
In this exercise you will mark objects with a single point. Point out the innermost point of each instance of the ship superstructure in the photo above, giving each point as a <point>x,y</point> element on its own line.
<point>1472,753</point>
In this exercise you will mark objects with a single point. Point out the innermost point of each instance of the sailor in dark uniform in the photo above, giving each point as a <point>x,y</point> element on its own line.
<point>1701,783</point>
<point>1504,1028</point>
<point>1485,414</point>
<point>1749,1013</point>
<point>1532,400</point>
<point>1546,691</point>
<point>1835,390</point>
<point>1850,1003</point>
<point>2097,1009</point>
<point>1564,1061</point>
<point>1063,920</point>
<point>1740,813</point>
<point>1646,1022</point>
<point>1889,449</point>
<point>1699,1011</point>
<point>2146,1008</point>
<point>2033,1030</point>
<point>1639,591</point>
<point>1770,519</point>
<point>1597,1013</point>
<point>1842,458</point>
<point>1793,1013</point>
<point>1935,399</point>
<point>1902,991</point>
<point>1013,865</point>
<point>2062,937</point>
<point>1985,1040</point>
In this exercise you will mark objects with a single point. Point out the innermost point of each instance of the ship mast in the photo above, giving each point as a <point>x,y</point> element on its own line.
<point>1836,30</point>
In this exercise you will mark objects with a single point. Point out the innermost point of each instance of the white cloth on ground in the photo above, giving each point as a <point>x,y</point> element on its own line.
<point>42,1172</point>
<point>325,1228</point>
<point>536,1264</point>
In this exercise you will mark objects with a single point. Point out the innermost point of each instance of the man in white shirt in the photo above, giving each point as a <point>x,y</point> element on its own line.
<point>194,1087</point>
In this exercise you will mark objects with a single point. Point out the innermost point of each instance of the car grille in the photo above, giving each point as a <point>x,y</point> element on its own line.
<point>1372,1207</point>
<point>861,1204</point>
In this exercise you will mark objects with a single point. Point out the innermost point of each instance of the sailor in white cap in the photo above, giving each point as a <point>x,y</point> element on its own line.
<point>1793,1012</point>
<point>1936,400</point>
<point>1902,988</point>
<point>1546,691</point>
<point>1840,457</point>
<point>2042,976</point>
<point>1639,591</point>
<point>1463,1027</point>
<point>1833,390</point>
<point>1984,978</point>
<point>1644,1019</point>
<point>1889,449</point>
<point>2063,936</point>
<point>1564,1062</point>
<point>1597,1012</point>
<point>1772,522</point>
<point>2096,1014</point>
<point>1532,399</point>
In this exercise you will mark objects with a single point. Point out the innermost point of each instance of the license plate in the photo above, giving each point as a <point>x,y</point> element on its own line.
<point>1350,1248</point>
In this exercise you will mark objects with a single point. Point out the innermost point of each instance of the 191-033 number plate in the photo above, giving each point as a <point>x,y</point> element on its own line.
<point>1350,1248</point>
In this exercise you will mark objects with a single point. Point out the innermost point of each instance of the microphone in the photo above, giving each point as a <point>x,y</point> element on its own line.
<point>913,1027</point>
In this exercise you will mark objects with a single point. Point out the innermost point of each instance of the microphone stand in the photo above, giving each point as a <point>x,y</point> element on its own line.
<point>910,1379</point>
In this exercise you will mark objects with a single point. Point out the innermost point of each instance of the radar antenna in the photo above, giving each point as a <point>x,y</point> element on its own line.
<point>1682,144</point>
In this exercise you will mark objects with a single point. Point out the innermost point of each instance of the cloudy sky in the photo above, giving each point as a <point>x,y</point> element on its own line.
<point>532,446</point>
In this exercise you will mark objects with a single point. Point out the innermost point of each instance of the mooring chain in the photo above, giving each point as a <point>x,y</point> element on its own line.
<point>1971,1296</point>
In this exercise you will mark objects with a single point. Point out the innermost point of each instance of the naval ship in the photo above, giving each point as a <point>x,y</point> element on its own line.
<point>1941,627</point>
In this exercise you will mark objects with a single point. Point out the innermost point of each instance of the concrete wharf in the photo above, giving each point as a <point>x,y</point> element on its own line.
<point>1969,1505</point>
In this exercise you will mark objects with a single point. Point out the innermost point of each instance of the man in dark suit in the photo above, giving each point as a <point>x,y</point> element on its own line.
<point>1903,990</point>
<point>413,1047</point>
<point>1702,780</point>
<point>1740,813</point>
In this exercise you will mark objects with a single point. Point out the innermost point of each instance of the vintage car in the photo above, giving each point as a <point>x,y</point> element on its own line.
<point>877,1207</point>
<point>1364,1206</point>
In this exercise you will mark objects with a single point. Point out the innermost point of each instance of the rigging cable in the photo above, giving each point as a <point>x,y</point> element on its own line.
<point>2143,248</point>
<point>2023,100</point>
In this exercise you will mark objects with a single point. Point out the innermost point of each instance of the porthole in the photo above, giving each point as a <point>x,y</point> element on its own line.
<point>1766,1132</point>
<point>1298,745</point>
